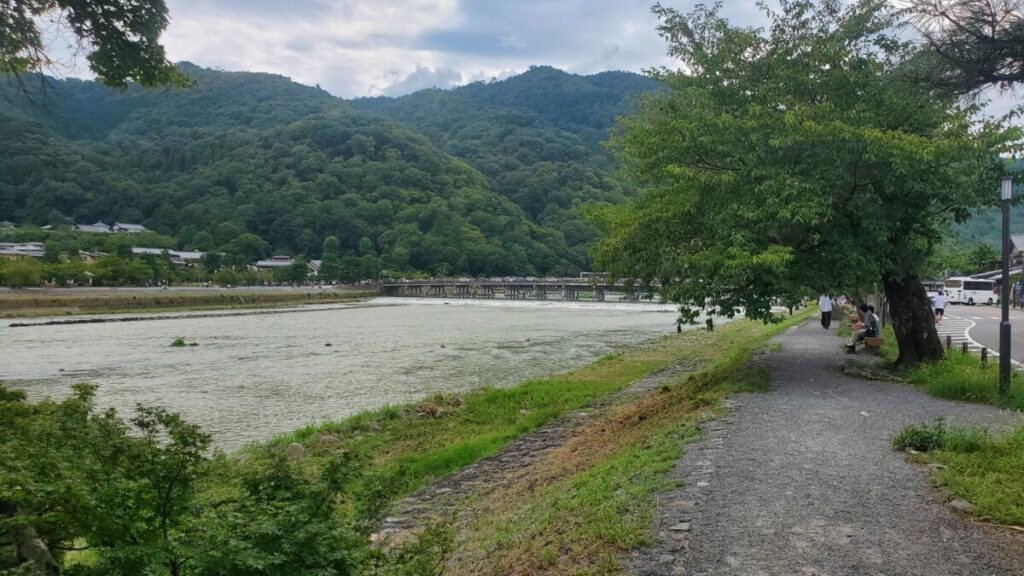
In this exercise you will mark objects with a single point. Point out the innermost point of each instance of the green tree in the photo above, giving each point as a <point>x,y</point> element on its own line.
<point>297,272</point>
<point>246,249</point>
<point>22,272</point>
<point>69,271</point>
<point>366,247</point>
<point>213,261</point>
<point>331,246</point>
<point>122,38</point>
<point>330,268</point>
<point>111,271</point>
<point>983,258</point>
<point>792,159</point>
<point>203,241</point>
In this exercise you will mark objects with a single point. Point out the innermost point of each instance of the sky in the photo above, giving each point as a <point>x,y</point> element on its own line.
<point>354,48</point>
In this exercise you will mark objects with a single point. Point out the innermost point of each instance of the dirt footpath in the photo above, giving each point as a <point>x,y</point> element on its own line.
<point>802,481</point>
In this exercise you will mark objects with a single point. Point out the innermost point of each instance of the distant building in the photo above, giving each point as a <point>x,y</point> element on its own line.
<point>20,251</point>
<point>178,258</point>
<point>128,228</point>
<point>274,262</point>
<point>97,228</point>
<point>314,266</point>
<point>1016,249</point>
<point>87,256</point>
<point>103,228</point>
<point>190,256</point>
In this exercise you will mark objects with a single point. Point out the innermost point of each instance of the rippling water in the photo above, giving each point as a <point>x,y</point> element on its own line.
<point>253,376</point>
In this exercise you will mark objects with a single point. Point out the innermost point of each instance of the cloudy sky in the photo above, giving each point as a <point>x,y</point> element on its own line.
<point>371,47</point>
<point>357,48</point>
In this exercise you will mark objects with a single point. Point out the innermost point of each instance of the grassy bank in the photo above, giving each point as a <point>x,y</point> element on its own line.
<point>958,376</point>
<point>575,509</point>
<point>31,303</point>
<point>983,469</point>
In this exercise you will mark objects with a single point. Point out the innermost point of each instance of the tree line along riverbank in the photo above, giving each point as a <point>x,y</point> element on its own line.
<point>62,302</point>
<point>314,500</point>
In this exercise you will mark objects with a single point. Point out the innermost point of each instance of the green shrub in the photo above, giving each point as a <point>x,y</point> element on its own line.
<point>145,496</point>
<point>961,376</point>
<point>179,342</point>
<point>982,469</point>
<point>921,437</point>
<point>938,436</point>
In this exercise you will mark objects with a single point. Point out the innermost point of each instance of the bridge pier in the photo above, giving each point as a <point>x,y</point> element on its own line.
<point>540,292</point>
<point>461,291</point>
<point>599,294</point>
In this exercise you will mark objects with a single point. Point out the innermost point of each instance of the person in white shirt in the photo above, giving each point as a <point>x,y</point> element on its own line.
<point>825,305</point>
<point>939,304</point>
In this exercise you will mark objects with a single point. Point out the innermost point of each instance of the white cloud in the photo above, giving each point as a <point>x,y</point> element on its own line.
<point>423,77</point>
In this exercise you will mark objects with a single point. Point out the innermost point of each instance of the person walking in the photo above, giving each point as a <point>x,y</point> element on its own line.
<point>825,305</point>
<point>939,304</point>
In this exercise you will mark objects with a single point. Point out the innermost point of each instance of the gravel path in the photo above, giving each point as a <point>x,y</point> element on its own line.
<point>802,481</point>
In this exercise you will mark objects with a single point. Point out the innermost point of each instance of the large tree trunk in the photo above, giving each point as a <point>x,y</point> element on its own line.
<point>913,321</point>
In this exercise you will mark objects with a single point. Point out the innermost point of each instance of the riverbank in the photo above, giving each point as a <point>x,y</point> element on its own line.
<point>38,302</point>
<point>554,476</point>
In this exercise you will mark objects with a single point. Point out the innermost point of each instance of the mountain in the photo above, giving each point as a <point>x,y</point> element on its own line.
<point>484,179</point>
<point>536,137</point>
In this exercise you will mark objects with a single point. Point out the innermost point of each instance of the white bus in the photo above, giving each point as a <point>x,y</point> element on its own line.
<point>972,291</point>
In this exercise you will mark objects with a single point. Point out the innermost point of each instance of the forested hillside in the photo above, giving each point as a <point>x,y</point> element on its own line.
<point>242,155</point>
<point>536,137</point>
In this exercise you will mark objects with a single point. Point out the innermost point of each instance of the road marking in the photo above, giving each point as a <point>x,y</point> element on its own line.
<point>973,344</point>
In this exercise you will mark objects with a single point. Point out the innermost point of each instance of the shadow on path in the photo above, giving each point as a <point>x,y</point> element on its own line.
<point>802,481</point>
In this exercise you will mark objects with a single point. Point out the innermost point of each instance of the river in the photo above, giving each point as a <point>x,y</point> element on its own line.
<point>255,375</point>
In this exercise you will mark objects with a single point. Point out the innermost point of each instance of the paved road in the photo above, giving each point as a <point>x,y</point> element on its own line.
<point>802,481</point>
<point>981,324</point>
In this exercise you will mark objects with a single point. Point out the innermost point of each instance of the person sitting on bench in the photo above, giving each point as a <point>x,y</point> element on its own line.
<point>862,330</point>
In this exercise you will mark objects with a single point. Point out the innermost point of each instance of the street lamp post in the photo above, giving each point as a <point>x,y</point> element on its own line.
<point>1004,327</point>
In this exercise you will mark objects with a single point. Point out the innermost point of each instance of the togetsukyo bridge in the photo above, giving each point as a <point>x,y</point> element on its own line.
<point>565,289</point>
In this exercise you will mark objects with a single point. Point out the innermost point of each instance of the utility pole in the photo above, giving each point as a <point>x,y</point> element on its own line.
<point>1006,196</point>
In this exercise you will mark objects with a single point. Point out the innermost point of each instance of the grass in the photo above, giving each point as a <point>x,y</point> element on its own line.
<point>980,468</point>
<point>958,376</point>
